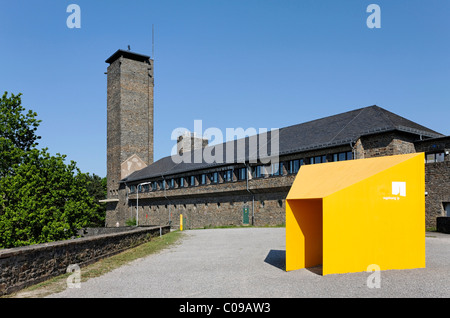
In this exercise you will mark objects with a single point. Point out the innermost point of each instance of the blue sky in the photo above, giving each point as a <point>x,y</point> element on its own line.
<point>234,63</point>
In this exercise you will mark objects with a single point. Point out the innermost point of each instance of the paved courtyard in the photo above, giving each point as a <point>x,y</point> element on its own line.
<point>249,262</point>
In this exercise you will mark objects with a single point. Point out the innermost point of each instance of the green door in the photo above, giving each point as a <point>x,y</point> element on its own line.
<point>245,215</point>
<point>185,220</point>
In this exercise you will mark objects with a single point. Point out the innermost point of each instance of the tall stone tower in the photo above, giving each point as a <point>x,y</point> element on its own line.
<point>129,126</point>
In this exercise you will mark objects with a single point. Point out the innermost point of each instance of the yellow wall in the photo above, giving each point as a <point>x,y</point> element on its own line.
<point>361,222</point>
<point>303,233</point>
<point>366,224</point>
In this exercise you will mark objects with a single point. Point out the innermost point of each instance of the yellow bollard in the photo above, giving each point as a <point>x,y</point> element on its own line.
<point>181,222</point>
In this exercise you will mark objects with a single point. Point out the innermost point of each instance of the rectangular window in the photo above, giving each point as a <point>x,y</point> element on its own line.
<point>294,165</point>
<point>261,171</point>
<point>192,183</point>
<point>154,186</point>
<point>342,156</point>
<point>214,177</point>
<point>181,183</point>
<point>242,174</point>
<point>132,189</point>
<point>435,157</point>
<point>446,208</point>
<point>228,175</point>
<point>171,183</point>
<point>349,155</point>
<point>276,169</point>
<point>203,179</point>
<point>256,172</point>
<point>146,187</point>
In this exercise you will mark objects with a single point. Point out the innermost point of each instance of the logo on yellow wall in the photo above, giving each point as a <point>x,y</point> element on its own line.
<point>398,190</point>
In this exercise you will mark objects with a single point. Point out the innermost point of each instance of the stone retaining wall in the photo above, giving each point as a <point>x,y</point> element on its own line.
<point>24,266</point>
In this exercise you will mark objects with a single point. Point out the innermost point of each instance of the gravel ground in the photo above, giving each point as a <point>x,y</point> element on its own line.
<point>249,262</point>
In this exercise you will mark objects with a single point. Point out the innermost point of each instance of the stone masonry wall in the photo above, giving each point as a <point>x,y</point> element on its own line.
<point>437,185</point>
<point>385,144</point>
<point>24,266</point>
<point>268,209</point>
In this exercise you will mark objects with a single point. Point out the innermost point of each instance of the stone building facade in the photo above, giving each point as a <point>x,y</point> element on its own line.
<point>248,189</point>
<point>437,177</point>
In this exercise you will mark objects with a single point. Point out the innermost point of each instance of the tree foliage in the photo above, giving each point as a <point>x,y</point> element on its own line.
<point>42,198</point>
<point>17,132</point>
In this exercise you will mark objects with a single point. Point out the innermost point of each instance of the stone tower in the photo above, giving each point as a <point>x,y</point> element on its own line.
<point>129,126</point>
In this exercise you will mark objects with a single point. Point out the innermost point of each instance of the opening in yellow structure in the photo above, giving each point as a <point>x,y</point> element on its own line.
<point>349,215</point>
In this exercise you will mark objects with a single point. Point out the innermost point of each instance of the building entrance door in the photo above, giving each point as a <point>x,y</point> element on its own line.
<point>446,208</point>
<point>245,215</point>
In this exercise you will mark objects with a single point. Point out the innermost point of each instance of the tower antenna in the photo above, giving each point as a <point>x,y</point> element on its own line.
<point>153,41</point>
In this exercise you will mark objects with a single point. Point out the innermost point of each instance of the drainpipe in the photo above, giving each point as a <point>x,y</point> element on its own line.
<point>353,149</point>
<point>137,205</point>
<point>165,186</point>
<point>137,201</point>
<point>253,196</point>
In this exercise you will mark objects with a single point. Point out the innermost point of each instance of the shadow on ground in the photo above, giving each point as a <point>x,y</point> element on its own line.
<point>277,258</point>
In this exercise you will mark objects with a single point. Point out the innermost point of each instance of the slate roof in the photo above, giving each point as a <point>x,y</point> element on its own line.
<point>129,55</point>
<point>336,130</point>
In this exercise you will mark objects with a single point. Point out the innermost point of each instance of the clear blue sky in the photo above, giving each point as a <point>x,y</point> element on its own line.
<point>230,63</point>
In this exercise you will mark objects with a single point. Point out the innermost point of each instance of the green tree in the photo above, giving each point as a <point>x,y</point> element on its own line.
<point>96,187</point>
<point>42,198</point>
<point>17,132</point>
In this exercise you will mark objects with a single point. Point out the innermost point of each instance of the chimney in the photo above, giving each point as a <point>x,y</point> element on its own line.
<point>190,142</point>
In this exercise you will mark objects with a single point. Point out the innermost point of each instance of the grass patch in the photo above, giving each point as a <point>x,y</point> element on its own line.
<point>101,267</point>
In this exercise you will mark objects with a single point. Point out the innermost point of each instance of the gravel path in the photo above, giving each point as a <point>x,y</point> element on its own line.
<point>249,262</point>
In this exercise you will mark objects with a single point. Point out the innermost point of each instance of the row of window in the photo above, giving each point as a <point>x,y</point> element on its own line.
<point>435,157</point>
<point>231,203</point>
<point>260,171</point>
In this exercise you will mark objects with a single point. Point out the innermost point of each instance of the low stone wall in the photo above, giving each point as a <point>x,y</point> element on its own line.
<point>24,266</point>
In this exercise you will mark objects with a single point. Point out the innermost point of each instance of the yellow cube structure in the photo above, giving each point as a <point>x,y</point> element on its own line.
<point>349,215</point>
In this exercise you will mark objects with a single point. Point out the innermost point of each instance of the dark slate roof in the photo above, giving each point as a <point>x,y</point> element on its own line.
<point>128,54</point>
<point>326,132</point>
